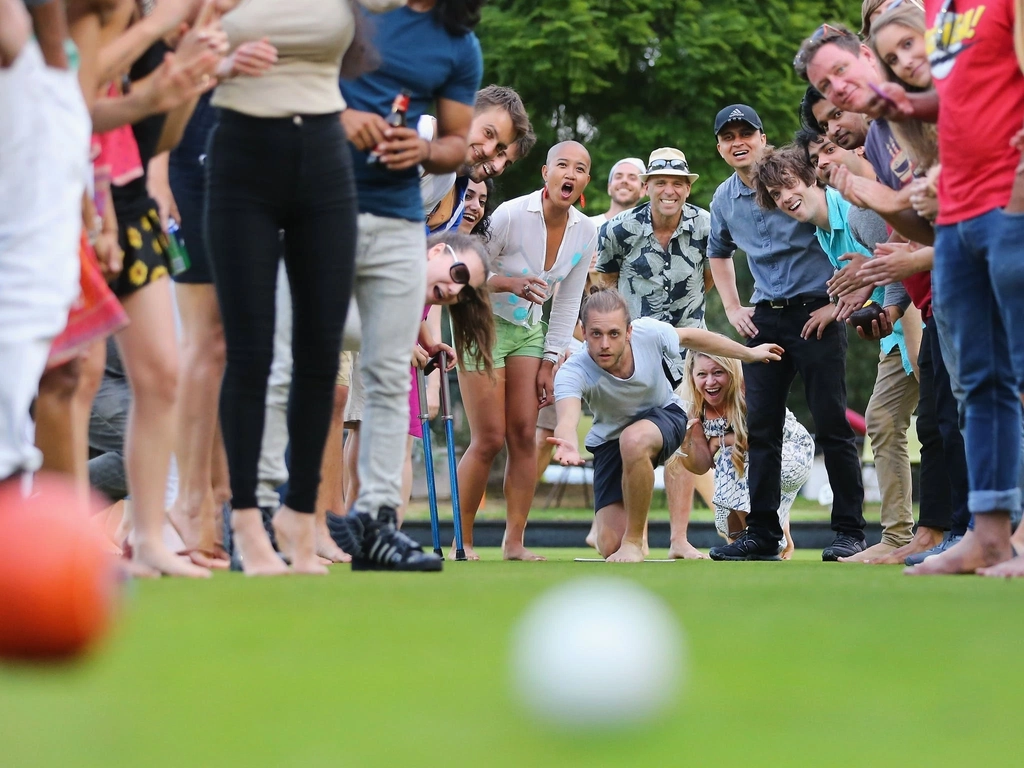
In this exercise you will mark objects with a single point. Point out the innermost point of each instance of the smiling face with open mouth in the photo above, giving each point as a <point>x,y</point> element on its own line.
<point>567,173</point>
<point>741,144</point>
<point>802,202</point>
<point>712,380</point>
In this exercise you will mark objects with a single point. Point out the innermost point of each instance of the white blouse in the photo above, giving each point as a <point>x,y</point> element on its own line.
<point>518,245</point>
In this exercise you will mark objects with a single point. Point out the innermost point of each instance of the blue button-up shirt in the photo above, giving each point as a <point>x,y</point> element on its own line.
<point>784,255</point>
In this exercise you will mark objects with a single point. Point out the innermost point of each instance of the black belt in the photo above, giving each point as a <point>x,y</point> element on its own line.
<point>794,301</point>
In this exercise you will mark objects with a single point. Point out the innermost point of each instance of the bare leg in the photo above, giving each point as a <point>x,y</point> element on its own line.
<point>679,487</point>
<point>639,444</point>
<point>521,468</point>
<point>610,525</point>
<point>705,486</point>
<point>591,539</point>
<point>330,496</point>
<point>987,545</point>
<point>149,351</point>
<point>484,401</point>
<point>54,423</point>
<point>545,450</point>
<point>193,513</point>
<point>787,553</point>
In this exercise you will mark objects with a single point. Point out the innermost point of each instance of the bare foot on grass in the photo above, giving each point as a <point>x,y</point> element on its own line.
<point>519,552</point>
<point>627,553</point>
<point>924,539</point>
<point>684,550</point>
<point>871,554</point>
<point>1008,569</point>
<point>157,557</point>
<point>253,545</point>
<point>296,538</point>
<point>325,546</point>
<point>966,556</point>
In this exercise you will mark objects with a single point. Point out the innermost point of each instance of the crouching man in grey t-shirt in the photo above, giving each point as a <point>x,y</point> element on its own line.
<point>638,419</point>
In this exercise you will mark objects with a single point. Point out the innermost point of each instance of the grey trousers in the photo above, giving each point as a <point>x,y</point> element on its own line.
<point>390,286</point>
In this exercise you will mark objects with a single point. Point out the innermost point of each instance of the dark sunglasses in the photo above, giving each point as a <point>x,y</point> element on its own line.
<point>823,34</point>
<point>675,165</point>
<point>459,271</point>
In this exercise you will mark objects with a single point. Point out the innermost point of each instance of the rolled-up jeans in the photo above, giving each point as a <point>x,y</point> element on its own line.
<point>978,287</point>
<point>390,285</point>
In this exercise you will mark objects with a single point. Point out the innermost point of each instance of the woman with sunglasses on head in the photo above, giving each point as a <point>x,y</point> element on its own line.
<point>457,270</point>
<point>538,241</point>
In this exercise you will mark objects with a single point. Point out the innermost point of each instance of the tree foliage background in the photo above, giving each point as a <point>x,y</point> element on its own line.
<point>627,76</point>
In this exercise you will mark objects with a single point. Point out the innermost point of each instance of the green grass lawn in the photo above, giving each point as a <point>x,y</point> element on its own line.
<point>799,663</point>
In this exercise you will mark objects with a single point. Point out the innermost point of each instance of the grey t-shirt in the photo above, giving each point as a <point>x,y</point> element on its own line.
<point>616,403</point>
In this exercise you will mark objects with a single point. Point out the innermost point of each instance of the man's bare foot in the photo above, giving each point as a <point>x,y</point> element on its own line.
<point>326,548</point>
<point>253,545</point>
<point>966,556</point>
<point>157,557</point>
<point>684,550</point>
<point>296,538</point>
<point>1008,569</point>
<point>519,552</point>
<point>1017,540</point>
<point>470,553</point>
<point>871,554</point>
<point>924,539</point>
<point>627,553</point>
<point>591,540</point>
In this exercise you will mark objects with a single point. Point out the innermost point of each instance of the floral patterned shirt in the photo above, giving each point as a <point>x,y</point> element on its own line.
<point>668,286</point>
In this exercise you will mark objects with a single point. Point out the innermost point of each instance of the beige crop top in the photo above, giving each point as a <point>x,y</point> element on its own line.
<point>310,36</point>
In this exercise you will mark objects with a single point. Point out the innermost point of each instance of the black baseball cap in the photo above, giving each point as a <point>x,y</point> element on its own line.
<point>740,113</point>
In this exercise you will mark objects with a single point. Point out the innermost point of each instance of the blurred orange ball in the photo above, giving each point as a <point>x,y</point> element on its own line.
<point>57,583</point>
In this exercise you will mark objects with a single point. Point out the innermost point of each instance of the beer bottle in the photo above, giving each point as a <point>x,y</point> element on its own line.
<point>399,108</point>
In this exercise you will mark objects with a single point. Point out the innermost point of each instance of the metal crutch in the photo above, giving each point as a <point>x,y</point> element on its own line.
<point>449,433</point>
<point>428,461</point>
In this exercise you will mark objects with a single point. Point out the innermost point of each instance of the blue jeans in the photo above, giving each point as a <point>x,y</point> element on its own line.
<point>978,281</point>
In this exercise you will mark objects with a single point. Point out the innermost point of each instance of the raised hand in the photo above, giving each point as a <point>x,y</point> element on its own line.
<point>566,453</point>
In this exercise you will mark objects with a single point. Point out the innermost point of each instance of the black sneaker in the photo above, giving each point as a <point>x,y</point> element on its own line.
<point>843,545</point>
<point>747,546</point>
<point>377,545</point>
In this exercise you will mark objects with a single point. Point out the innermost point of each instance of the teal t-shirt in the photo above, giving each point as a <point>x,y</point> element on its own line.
<point>841,241</point>
<point>420,56</point>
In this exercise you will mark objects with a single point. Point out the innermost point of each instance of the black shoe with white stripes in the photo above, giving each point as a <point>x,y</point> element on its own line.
<point>377,545</point>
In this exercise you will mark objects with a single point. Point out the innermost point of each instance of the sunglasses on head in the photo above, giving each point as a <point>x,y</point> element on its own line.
<point>675,165</point>
<point>826,33</point>
<point>459,271</point>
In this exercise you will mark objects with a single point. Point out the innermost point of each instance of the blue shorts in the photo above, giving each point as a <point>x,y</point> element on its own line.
<point>670,420</point>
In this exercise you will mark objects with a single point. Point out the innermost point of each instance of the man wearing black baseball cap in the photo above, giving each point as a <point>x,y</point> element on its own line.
<point>792,309</point>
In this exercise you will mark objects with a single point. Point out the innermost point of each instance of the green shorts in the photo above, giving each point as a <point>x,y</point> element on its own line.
<point>512,340</point>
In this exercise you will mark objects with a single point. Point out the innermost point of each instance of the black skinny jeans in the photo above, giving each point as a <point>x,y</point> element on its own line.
<point>265,175</point>
<point>944,484</point>
<point>822,366</point>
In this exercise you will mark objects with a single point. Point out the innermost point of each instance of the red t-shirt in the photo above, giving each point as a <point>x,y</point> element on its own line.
<point>981,105</point>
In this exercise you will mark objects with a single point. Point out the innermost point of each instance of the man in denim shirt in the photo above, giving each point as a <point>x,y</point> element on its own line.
<point>791,308</point>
